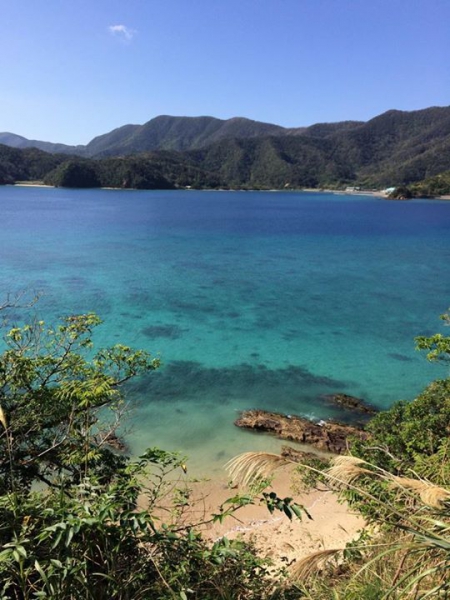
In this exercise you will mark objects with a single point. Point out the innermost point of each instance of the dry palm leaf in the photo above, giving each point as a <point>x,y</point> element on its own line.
<point>250,467</point>
<point>314,564</point>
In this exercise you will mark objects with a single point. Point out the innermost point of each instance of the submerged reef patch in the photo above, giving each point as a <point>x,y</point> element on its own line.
<point>288,389</point>
<point>172,332</point>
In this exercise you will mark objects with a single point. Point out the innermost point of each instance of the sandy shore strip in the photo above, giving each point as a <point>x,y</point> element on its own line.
<point>37,184</point>
<point>333,524</point>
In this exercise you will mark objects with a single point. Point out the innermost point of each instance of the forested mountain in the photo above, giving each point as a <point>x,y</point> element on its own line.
<point>395,148</point>
<point>176,133</point>
<point>274,162</point>
<point>160,133</point>
<point>398,147</point>
<point>322,130</point>
<point>18,141</point>
<point>149,170</point>
<point>27,164</point>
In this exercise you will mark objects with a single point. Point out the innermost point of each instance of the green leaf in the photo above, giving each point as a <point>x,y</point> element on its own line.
<point>6,555</point>
<point>41,572</point>
<point>56,563</point>
<point>287,511</point>
<point>21,550</point>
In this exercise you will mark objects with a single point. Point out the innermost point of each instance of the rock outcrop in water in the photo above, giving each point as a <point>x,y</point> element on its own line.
<point>351,403</point>
<point>116,443</point>
<point>300,456</point>
<point>327,436</point>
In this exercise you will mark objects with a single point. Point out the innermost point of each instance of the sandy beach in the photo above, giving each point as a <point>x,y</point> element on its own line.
<point>30,184</point>
<point>332,524</point>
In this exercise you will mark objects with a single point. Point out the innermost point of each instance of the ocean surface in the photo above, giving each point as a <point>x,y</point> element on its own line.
<point>251,299</point>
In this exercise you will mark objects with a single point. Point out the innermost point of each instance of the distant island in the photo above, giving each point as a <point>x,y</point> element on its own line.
<point>407,152</point>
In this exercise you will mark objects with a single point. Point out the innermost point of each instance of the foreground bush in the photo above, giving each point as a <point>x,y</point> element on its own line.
<point>77,519</point>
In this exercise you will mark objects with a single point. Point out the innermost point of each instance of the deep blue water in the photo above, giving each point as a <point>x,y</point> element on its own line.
<point>252,299</point>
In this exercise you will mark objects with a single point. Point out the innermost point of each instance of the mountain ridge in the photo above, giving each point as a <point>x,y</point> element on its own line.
<point>394,148</point>
<point>166,132</point>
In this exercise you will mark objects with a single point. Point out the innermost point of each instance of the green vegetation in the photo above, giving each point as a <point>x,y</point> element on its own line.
<point>74,173</point>
<point>399,480</point>
<point>149,171</point>
<point>439,185</point>
<point>118,173</point>
<point>18,141</point>
<point>394,149</point>
<point>80,520</point>
<point>26,165</point>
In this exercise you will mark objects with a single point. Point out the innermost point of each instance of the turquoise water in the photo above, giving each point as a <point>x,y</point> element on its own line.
<point>251,299</point>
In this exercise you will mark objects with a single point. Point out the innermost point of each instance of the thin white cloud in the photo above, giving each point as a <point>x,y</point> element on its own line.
<point>122,31</point>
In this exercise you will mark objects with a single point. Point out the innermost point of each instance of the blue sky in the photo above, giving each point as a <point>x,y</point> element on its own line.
<point>74,69</point>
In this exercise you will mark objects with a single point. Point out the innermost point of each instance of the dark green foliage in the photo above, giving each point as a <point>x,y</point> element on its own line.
<point>310,472</point>
<point>394,149</point>
<point>263,163</point>
<point>26,165</point>
<point>5,175</point>
<point>408,430</point>
<point>411,431</point>
<point>137,173</point>
<point>18,141</point>
<point>437,345</point>
<point>322,130</point>
<point>161,171</point>
<point>286,505</point>
<point>176,133</point>
<point>74,173</point>
<point>439,185</point>
<point>410,439</point>
<point>92,543</point>
<point>401,193</point>
<point>398,480</point>
<point>51,396</point>
<point>92,529</point>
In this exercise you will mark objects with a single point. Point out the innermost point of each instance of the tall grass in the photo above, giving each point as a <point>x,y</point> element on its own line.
<point>406,556</point>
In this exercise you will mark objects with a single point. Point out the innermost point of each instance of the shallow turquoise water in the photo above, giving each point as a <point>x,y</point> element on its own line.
<point>268,300</point>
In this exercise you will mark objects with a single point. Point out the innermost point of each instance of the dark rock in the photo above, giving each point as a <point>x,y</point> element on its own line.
<point>300,456</point>
<point>351,403</point>
<point>116,443</point>
<point>328,436</point>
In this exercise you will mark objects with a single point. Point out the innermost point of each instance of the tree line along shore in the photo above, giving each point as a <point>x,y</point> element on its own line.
<point>405,152</point>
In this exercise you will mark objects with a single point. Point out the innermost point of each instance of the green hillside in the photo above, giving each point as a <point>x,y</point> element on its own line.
<point>439,185</point>
<point>176,133</point>
<point>18,141</point>
<point>394,149</point>
<point>27,164</point>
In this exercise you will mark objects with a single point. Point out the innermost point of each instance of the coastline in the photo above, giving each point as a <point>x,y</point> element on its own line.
<point>326,522</point>
<point>332,525</point>
<point>36,184</point>
<point>371,193</point>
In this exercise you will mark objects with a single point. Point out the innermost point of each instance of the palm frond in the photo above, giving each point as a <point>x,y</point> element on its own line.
<point>249,467</point>
<point>345,469</point>
<point>347,459</point>
<point>313,564</point>
<point>430,494</point>
<point>3,420</point>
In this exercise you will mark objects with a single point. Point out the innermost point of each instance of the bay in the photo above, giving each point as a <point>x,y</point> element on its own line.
<point>251,299</point>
